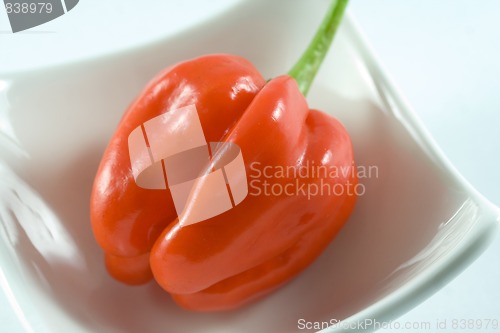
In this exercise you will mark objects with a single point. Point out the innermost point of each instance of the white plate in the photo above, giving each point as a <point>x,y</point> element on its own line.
<point>418,224</point>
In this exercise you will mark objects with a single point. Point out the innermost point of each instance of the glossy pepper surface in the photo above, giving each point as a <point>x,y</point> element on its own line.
<point>272,235</point>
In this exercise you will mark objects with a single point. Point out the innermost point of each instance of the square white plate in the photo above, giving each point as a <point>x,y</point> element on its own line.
<point>417,225</point>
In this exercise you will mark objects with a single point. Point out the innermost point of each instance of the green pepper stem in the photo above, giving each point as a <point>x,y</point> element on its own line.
<point>307,66</point>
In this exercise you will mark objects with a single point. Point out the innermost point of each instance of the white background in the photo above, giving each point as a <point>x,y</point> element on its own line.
<point>442,54</point>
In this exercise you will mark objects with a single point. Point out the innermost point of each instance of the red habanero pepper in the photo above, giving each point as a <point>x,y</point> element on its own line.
<point>293,209</point>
